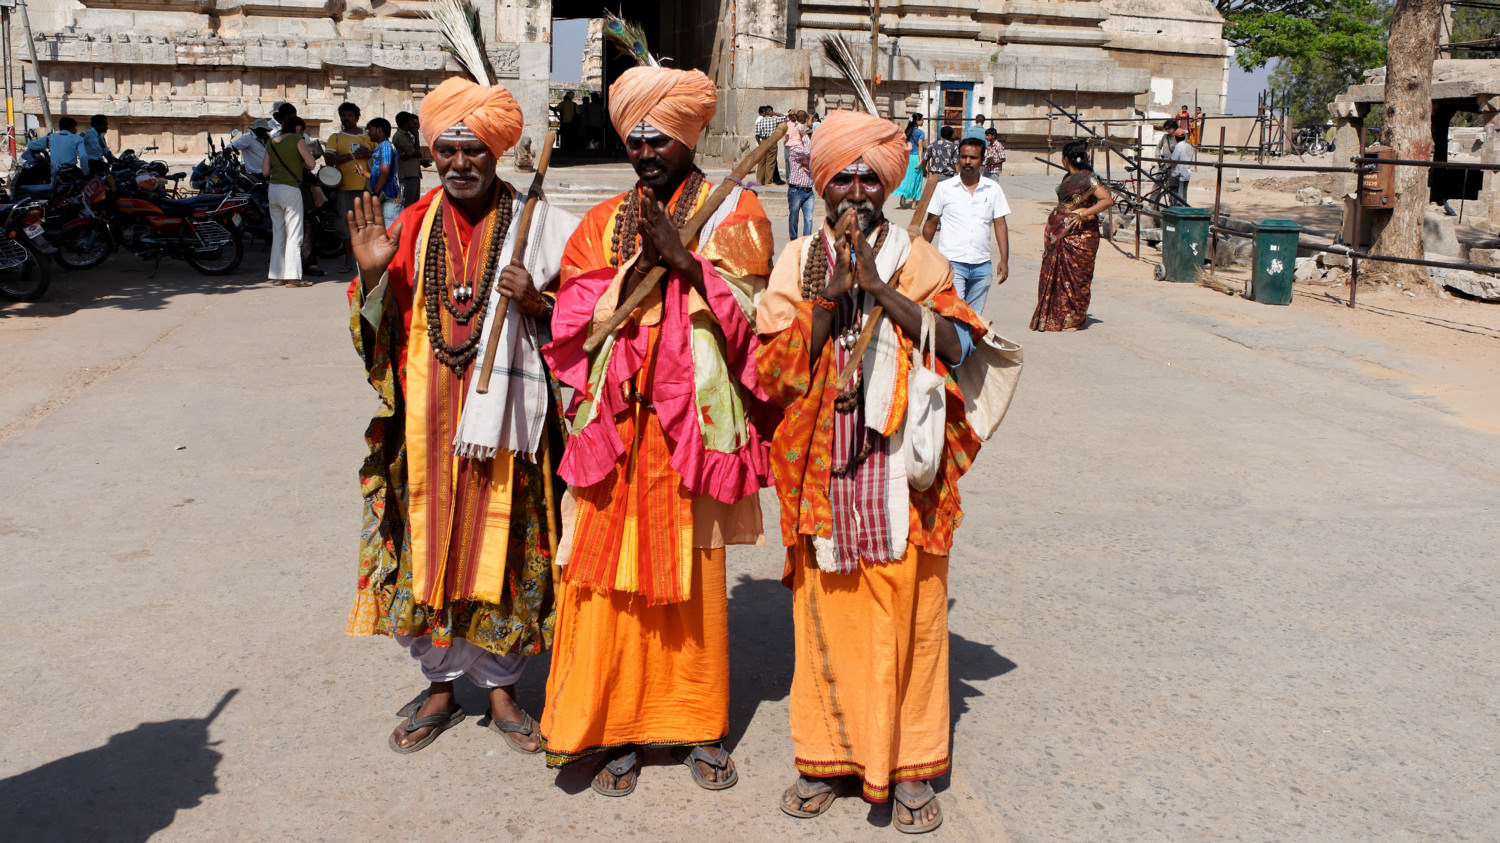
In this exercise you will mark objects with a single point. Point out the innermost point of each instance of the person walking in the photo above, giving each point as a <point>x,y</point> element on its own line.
<point>767,171</point>
<point>799,190</point>
<point>1182,156</point>
<point>349,149</point>
<point>286,160</point>
<point>567,122</point>
<point>941,159</point>
<point>1071,245</point>
<point>994,155</point>
<point>910,189</point>
<point>384,183</point>
<point>409,148</point>
<point>970,208</point>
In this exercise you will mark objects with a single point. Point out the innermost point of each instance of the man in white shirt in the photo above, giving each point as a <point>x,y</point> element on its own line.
<point>970,208</point>
<point>252,145</point>
<point>1181,170</point>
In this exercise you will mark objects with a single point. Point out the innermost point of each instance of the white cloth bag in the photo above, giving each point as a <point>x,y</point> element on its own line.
<point>988,381</point>
<point>926,410</point>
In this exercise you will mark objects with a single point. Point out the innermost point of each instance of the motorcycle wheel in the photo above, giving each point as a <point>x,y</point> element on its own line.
<point>326,244</point>
<point>85,247</point>
<point>221,262</point>
<point>27,282</point>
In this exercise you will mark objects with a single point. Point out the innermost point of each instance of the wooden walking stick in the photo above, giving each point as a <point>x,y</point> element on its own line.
<point>534,197</point>
<point>919,214</point>
<point>636,294</point>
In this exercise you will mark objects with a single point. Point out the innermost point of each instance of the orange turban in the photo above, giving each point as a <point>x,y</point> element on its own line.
<point>492,114</point>
<point>678,102</point>
<point>847,136</point>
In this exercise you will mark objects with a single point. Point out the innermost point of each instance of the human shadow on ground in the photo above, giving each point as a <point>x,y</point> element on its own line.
<point>126,790</point>
<point>761,650</point>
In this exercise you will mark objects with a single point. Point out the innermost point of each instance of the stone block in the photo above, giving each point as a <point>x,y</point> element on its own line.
<point>1327,259</point>
<point>1309,195</point>
<point>1477,284</point>
<point>1439,234</point>
<point>1307,271</point>
<point>1486,257</point>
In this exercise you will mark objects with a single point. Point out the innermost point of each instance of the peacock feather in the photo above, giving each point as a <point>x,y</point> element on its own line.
<point>628,39</point>
<point>464,36</point>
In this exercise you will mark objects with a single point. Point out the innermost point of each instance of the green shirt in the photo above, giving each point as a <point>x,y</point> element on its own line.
<point>286,161</point>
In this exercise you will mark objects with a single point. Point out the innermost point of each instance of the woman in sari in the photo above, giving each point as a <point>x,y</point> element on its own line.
<point>910,189</point>
<point>1072,240</point>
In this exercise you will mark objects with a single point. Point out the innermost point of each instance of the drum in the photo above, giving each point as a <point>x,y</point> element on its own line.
<point>330,177</point>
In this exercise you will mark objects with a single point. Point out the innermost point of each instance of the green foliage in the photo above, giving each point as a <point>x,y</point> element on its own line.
<point>1475,24</point>
<point>1343,33</point>
<point>1319,47</point>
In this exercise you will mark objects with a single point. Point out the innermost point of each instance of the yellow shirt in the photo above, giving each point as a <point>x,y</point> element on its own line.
<point>356,172</point>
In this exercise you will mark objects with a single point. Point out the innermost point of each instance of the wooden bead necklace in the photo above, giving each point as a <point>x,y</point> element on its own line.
<point>463,301</point>
<point>628,215</point>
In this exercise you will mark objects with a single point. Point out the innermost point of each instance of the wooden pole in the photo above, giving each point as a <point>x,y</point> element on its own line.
<point>1213,240</point>
<point>874,46</point>
<point>695,223</point>
<point>517,256</point>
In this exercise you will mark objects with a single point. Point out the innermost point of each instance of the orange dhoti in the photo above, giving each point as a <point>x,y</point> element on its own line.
<point>624,672</point>
<point>870,689</point>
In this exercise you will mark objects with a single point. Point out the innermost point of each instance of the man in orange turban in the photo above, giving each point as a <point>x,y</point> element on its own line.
<point>867,547</point>
<point>666,455</point>
<point>455,556</point>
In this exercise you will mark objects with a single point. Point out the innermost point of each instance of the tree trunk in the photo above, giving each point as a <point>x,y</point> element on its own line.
<point>1408,122</point>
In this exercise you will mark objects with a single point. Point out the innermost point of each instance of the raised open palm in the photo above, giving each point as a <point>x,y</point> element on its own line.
<point>374,247</point>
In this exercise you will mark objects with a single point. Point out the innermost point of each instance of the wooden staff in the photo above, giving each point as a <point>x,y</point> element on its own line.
<point>919,215</point>
<point>642,288</point>
<point>534,197</point>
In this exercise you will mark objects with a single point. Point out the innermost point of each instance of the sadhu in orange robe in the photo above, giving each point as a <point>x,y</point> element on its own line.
<point>869,594</point>
<point>664,458</point>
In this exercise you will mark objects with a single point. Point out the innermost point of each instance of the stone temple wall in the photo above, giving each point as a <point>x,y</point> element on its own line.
<point>168,72</point>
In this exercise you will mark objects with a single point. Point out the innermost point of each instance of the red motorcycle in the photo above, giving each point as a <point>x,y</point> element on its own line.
<point>201,230</point>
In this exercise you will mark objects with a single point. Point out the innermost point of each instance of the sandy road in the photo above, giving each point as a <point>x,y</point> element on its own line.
<point>1227,572</point>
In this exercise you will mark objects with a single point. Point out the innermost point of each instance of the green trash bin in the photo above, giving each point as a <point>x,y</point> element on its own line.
<point>1184,243</point>
<point>1275,261</point>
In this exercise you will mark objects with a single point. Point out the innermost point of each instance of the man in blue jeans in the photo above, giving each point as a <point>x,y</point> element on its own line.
<point>969,208</point>
<point>799,181</point>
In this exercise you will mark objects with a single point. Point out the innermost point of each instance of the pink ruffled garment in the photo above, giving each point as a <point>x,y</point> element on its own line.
<point>593,451</point>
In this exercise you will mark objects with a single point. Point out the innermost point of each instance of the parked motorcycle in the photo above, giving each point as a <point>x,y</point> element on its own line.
<point>25,274</point>
<point>201,230</point>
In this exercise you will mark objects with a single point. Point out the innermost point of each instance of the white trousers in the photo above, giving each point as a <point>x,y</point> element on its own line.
<point>445,664</point>
<point>286,233</point>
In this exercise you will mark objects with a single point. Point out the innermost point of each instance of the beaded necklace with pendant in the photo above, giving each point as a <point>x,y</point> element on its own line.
<point>467,298</point>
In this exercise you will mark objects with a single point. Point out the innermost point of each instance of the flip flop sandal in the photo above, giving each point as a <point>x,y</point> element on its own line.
<point>439,723</point>
<point>618,768</point>
<point>278,283</point>
<point>299,283</point>
<point>805,789</point>
<point>526,727</point>
<point>914,803</point>
<point>718,762</point>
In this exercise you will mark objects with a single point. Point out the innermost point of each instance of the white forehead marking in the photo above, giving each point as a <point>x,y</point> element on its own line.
<point>858,168</point>
<point>458,133</point>
<point>645,130</point>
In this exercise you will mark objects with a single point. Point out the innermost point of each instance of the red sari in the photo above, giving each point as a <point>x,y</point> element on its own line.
<point>1068,261</point>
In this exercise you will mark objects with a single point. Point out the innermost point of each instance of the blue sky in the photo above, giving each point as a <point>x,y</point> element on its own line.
<point>567,66</point>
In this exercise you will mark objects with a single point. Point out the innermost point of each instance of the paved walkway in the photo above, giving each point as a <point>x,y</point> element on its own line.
<point>1225,574</point>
